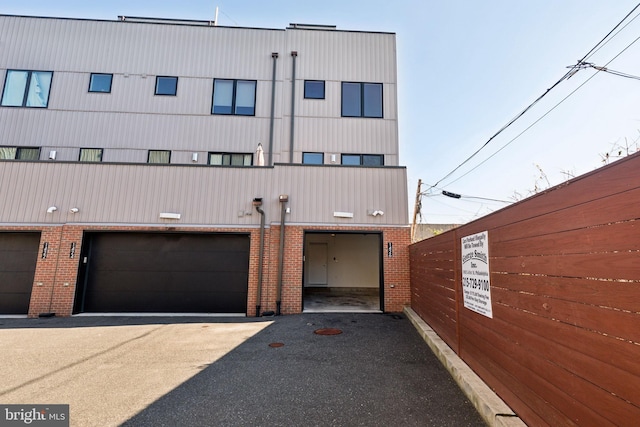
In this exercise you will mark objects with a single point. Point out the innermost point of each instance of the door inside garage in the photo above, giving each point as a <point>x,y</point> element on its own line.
<point>18,258</point>
<point>163,273</point>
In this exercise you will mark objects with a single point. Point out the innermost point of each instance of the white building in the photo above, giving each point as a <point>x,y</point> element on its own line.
<point>131,178</point>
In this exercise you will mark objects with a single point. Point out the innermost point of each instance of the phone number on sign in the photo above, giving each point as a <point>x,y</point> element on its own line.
<point>472,283</point>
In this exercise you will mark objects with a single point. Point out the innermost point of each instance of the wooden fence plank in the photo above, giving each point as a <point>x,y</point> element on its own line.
<point>621,236</point>
<point>564,342</point>
<point>602,293</point>
<point>571,396</point>
<point>610,266</point>
<point>618,324</point>
<point>614,379</point>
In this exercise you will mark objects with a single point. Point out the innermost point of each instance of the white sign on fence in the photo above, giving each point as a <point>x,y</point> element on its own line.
<point>476,286</point>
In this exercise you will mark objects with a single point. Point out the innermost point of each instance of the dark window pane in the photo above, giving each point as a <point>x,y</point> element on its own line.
<point>100,83</point>
<point>230,159</point>
<point>372,99</point>
<point>372,160</point>
<point>222,97</point>
<point>245,98</point>
<point>27,88</point>
<point>215,158</point>
<point>8,153</point>
<point>351,105</point>
<point>312,158</point>
<point>14,87</point>
<point>38,91</point>
<point>166,85</point>
<point>351,159</point>
<point>90,155</point>
<point>28,154</point>
<point>313,89</point>
<point>159,156</point>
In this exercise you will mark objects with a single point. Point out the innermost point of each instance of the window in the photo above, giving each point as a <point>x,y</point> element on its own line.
<point>314,89</point>
<point>363,159</point>
<point>166,86</point>
<point>26,89</point>
<point>100,83</point>
<point>312,158</point>
<point>19,153</point>
<point>231,159</point>
<point>235,97</point>
<point>90,155</point>
<point>361,99</point>
<point>159,156</point>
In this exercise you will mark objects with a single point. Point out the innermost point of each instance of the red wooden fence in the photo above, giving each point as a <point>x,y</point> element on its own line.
<point>563,346</point>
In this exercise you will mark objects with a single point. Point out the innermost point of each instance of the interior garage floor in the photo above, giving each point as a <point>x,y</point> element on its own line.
<point>331,300</point>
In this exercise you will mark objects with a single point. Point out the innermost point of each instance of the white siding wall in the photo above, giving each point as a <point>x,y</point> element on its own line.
<point>204,195</point>
<point>131,120</point>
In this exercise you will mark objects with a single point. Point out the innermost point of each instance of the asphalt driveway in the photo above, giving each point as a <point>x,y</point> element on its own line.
<point>146,371</point>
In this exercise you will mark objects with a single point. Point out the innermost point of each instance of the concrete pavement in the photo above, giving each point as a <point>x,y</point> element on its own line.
<point>209,371</point>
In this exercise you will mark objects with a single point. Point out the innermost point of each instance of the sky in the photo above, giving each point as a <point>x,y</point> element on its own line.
<point>465,69</point>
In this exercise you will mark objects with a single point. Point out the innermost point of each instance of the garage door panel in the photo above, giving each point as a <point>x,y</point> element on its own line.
<point>118,302</point>
<point>148,281</point>
<point>18,258</point>
<point>167,272</point>
<point>190,261</point>
<point>13,281</point>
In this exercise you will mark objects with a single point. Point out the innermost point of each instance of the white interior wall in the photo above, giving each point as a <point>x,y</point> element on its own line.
<point>353,260</point>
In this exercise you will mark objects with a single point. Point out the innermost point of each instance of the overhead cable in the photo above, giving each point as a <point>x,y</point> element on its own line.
<point>543,116</point>
<point>567,75</point>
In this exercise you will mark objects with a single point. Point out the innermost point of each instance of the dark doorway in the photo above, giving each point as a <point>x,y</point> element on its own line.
<point>18,258</point>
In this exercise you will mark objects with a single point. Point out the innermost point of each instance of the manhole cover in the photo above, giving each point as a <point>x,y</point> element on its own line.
<point>276,344</point>
<point>327,331</point>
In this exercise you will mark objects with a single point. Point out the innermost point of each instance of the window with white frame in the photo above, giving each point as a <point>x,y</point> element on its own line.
<point>19,153</point>
<point>90,155</point>
<point>361,99</point>
<point>234,97</point>
<point>25,88</point>
<point>231,159</point>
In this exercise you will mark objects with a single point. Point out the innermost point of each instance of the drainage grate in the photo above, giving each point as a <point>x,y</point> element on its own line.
<point>327,331</point>
<point>276,344</point>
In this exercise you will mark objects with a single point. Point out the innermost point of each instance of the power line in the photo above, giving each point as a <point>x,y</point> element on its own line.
<point>544,115</point>
<point>461,196</point>
<point>567,75</point>
<point>607,70</point>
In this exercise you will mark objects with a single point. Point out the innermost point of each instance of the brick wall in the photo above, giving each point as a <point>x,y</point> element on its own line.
<point>54,284</point>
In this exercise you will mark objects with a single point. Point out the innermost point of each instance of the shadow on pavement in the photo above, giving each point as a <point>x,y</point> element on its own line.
<point>378,371</point>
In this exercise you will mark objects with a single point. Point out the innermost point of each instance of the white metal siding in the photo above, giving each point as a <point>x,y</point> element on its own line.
<point>131,120</point>
<point>203,195</point>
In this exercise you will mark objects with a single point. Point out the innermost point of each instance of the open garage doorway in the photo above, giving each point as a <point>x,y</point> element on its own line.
<point>342,272</point>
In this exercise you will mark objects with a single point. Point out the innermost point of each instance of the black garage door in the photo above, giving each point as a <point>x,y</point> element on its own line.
<point>163,273</point>
<point>18,257</point>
